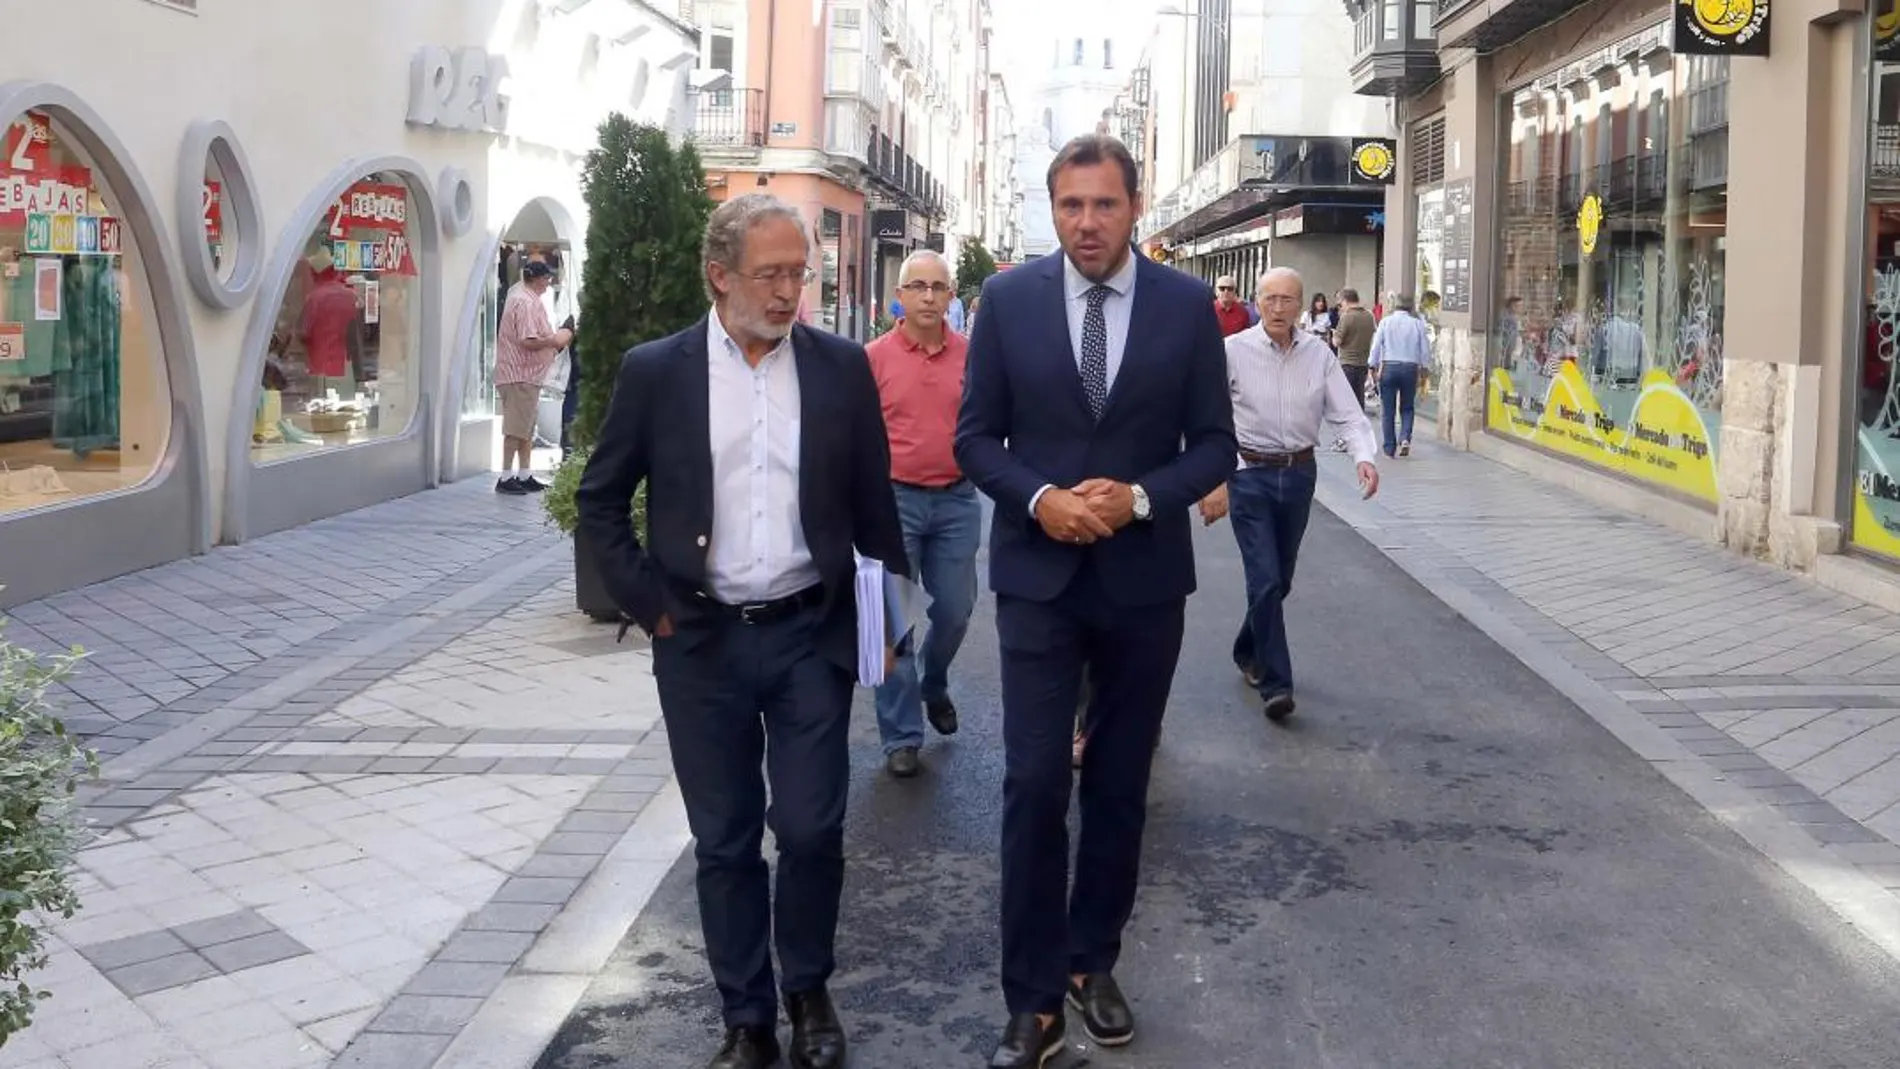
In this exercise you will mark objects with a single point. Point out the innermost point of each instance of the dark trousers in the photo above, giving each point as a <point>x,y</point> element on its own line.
<point>734,695</point>
<point>1129,655</point>
<point>1269,508</point>
<point>1398,396</point>
<point>1356,376</point>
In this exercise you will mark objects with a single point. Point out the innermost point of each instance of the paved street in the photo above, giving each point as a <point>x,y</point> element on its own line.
<point>1442,862</point>
<point>1566,789</point>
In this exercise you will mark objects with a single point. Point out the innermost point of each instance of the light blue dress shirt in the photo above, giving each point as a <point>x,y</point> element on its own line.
<point>1116,310</point>
<point>1402,338</point>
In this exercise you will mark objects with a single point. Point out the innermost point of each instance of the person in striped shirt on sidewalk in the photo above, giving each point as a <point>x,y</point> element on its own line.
<point>526,346</point>
<point>1287,387</point>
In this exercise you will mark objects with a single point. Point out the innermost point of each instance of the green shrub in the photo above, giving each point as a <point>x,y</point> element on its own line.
<point>974,264</point>
<point>563,511</point>
<point>40,827</point>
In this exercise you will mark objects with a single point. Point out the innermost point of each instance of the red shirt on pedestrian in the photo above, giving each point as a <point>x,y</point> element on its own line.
<point>921,390</point>
<point>1233,317</point>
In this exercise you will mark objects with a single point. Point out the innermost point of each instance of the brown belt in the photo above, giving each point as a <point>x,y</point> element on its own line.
<point>1276,460</point>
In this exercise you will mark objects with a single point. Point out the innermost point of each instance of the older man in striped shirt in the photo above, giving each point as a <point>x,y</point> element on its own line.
<point>1286,385</point>
<point>526,346</point>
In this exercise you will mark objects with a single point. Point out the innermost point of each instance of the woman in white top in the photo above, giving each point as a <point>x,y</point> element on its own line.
<point>1319,319</point>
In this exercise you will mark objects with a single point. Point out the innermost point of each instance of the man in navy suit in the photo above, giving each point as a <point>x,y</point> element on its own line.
<point>761,443</point>
<point>1095,414</point>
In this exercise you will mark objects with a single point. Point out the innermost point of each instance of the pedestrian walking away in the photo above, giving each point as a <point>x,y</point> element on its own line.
<point>1352,339</point>
<point>765,462</point>
<point>919,371</point>
<point>1401,350</point>
<point>1287,385</point>
<point>1095,443</point>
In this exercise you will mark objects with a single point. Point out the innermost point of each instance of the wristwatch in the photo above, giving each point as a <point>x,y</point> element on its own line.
<point>1143,511</point>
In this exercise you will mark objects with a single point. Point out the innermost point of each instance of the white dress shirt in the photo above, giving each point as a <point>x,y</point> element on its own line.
<point>758,550</point>
<point>1283,396</point>
<point>1116,309</point>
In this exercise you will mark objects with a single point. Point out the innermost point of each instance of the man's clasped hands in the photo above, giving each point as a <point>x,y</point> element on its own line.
<point>1089,511</point>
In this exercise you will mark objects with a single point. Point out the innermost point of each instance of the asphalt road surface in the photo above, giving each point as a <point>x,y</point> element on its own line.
<point>1439,862</point>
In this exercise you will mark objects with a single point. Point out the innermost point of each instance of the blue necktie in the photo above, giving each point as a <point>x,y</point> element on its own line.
<point>1095,351</point>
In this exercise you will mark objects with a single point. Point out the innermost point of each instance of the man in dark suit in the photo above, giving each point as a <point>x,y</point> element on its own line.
<point>1095,414</point>
<point>762,446</point>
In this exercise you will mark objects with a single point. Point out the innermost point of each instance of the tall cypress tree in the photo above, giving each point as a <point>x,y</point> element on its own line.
<point>647,208</point>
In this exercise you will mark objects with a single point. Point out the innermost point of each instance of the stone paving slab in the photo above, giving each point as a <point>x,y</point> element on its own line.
<point>383,788</point>
<point>1782,688</point>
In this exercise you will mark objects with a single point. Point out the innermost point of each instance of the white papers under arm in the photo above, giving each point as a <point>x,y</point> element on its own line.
<point>871,621</point>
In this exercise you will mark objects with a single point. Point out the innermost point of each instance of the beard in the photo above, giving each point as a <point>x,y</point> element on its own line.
<point>756,322</point>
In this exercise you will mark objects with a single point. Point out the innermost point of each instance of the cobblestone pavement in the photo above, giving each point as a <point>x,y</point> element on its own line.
<point>362,780</point>
<point>1786,692</point>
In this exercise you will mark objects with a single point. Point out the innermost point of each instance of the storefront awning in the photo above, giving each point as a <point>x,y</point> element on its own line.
<point>1254,175</point>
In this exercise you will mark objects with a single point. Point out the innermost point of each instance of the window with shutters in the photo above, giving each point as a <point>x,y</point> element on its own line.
<point>1428,152</point>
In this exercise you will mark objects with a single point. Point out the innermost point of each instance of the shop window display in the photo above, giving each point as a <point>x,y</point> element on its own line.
<point>344,361</point>
<point>1606,345</point>
<point>1876,474</point>
<point>84,402</point>
<point>1431,274</point>
<point>219,226</point>
<point>478,389</point>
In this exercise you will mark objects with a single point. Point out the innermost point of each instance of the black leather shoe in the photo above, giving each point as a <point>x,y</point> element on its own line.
<point>902,762</point>
<point>1105,1013</point>
<point>817,1037</point>
<point>1027,1044</point>
<point>747,1047</point>
<point>1279,707</point>
<point>942,714</point>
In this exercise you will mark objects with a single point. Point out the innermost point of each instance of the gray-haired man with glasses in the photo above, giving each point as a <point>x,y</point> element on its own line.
<point>919,371</point>
<point>762,448</point>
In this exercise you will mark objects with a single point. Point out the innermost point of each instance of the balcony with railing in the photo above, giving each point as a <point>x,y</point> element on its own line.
<point>728,122</point>
<point>1885,160</point>
<point>1393,49</point>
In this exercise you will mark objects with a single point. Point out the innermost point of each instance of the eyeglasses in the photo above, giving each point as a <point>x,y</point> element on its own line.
<point>921,288</point>
<point>1227,289</point>
<point>776,275</point>
<point>1278,301</point>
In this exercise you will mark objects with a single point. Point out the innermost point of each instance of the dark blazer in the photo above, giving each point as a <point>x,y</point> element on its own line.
<point>1025,422</point>
<point>656,432</point>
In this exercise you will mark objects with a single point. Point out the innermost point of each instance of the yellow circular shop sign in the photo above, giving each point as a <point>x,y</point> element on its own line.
<point>1374,161</point>
<point>1589,223</point>
<point>1886,24</point>
<point>1727,22</point>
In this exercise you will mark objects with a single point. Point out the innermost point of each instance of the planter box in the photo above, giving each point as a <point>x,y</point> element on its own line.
<point>590,590</point>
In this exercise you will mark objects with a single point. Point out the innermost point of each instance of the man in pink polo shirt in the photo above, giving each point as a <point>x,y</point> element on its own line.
<point>919,370</point>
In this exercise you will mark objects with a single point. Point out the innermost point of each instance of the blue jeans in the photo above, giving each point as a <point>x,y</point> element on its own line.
<point>1269,508</point>
<point>1398,389</point>
<point>942,530</point>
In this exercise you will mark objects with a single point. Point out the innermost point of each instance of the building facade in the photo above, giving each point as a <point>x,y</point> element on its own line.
<point>1076,97</point>
<point>1256,147</point>
<point>1566,180</point>
<point>1003,226</point>
<point>251,299</point>
<point>866,114</point>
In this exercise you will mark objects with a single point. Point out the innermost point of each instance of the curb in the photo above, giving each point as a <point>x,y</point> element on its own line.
<point>517,1022</point>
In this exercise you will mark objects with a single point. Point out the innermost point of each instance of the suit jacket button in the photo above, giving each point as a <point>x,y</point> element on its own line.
<point>702,541</point>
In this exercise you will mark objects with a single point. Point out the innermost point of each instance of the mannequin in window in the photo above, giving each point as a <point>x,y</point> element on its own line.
<point>330,329</point>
